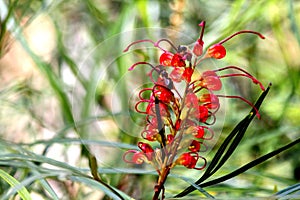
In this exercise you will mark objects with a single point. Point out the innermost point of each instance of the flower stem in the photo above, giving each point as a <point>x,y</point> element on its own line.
<point>160,183</point>
<point>168,160</point>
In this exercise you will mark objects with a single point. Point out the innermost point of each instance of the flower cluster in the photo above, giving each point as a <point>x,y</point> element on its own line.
<point>180,120</point>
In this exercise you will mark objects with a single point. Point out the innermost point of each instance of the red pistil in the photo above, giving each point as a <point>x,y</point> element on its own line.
<point>243,99</point>
<point>247,74</point>
<point>142,63</point>
<point>140,41</point>
<point>156,44</point>
<point>142,91</point>
<point>241,32</point>
<point>136,107</point>
<point>218,51</point>
<point>200,40</point>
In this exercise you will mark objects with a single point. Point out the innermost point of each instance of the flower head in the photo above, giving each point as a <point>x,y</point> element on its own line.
<point>176,117</point>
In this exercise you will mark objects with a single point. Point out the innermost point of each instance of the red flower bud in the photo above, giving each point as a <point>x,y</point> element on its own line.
<point>147,149</point>
<point>210,101</point>
<point>177,124</point>
<point>165,95</point>
<point>217,51</point>
<point>177,61</point>
<point>198,49</point>
<point>195,146</point>
<point>199,132</point>
<point>202,114</point>
<point>187,74</point>
<point>211,81</point>
<point>137,157</point>
<point>170,138</point>
<point>163,108</point>
<point>150,134</point>
<point>189,160</point>
<point>191,100</point>
<point>176,74</point>
<point>166,58</point>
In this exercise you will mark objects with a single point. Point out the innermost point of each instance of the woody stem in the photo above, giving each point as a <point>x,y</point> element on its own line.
<point>161,181</point>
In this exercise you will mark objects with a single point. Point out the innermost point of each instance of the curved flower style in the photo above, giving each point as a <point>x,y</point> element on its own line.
<point>179,121</point>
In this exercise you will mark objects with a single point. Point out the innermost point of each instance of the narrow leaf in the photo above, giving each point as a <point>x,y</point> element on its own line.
<point>24,194</point>
<point>108,191</point>
<point>288,190</point>
<point>250,164</point>
<point>222,155</point>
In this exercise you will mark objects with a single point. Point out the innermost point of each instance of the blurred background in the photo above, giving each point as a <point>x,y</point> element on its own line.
<point>64,81</point>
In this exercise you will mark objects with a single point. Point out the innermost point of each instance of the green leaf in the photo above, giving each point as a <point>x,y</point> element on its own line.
<point>24,194</point>
<point>42,159</point>
<point>107,190</point>
<point>250,164</point>
<point>29,180</point>
<point>84,142</point>
<point>189,181</point>
<point>287,191</point>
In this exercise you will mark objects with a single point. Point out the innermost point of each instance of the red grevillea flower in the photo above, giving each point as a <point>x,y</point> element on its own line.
<point>198,47</point>
<point>177,61</point>
<point>195,146</point>
<point>189,160</point>
<point>210,80</point>
<point>147,149</point>
<point>136,158</point>
<point>187,74</point>
<point>166,59</point>
<point>210,101</point>
<point>217,51</point>
<point>180,106</point>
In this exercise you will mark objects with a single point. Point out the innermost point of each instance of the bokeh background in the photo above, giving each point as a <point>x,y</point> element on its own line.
<point>64,82</point>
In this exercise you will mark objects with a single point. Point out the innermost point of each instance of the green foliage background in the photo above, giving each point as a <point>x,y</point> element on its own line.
<point>81,27</point>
